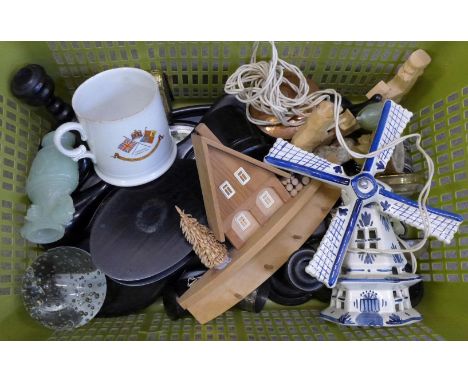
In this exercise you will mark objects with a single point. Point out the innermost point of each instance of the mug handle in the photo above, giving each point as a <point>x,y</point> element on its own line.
<point>78,153</point>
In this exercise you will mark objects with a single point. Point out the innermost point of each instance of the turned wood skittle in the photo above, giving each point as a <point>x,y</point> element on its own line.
<point>405,78</point>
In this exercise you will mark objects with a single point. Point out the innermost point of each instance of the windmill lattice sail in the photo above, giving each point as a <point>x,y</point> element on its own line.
<point>443,224</point>
<point>392,122</point>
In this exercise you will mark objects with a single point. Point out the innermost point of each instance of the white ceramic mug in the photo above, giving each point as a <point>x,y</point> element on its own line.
<point>122,118</point>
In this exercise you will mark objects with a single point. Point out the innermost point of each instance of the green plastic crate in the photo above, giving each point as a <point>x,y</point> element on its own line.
<point>197,71</point>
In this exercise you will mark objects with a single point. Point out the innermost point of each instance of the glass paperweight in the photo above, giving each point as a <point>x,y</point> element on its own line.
<point>63,289</point>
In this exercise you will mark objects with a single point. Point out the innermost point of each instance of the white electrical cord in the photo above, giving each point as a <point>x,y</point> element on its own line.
<point>258,84</point>
<point>414,262</point>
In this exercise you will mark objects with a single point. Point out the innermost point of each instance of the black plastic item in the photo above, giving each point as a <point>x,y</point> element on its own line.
<point>323,294</point>
<point>283,294</point>
<point>295,273</point>
<point>86,201</point>
<point>167,273</point>
<point>291,285</point>
<point>172,308</point>
<point>228,100</point>
<point>189,113</point>
<point>123,300</point>
<point>228,121</point>
<point>135,235</point>
<point>176,289</point>
<point>255,301</point>
<point>85,169</point>
<point>36,88</point>
<point>416,293</point>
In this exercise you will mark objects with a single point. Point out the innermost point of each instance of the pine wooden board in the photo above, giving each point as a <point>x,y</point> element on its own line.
<point>262,254</point>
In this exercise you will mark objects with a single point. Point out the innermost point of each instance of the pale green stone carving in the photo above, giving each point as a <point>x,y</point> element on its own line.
<point>52,178</point>
<point>368,118</point>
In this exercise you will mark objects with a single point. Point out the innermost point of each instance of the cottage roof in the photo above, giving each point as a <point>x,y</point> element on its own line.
<point>202,146</point>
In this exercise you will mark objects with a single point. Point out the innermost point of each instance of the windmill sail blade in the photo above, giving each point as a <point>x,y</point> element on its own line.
<point>326,263</point>
<point>289,157</point>
<point>443,224</point>
<point>392,122</point>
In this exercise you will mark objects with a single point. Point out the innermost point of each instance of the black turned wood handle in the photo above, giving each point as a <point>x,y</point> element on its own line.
<point>35,87</point>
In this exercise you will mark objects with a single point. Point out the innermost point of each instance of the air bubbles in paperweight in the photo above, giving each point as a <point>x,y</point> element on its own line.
<point>63,289</point>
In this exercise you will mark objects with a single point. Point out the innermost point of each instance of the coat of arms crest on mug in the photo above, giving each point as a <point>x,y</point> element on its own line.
<point>140,145</point>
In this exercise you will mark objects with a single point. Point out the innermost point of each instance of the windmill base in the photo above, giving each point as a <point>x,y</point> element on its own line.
<point>373,302</point>
<point>347,318</point>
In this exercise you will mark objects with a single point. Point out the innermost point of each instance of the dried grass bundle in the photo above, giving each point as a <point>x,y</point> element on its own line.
<point>211,252</point>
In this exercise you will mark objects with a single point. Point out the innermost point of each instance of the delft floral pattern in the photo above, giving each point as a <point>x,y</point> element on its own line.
<point>385,205</point>
<point>397,258</point>
<point>369,302</point>
<point>385,222</point>
<point>395,319</point>
<point>367,258</point>
<point>365,220</point>
<point>345,319</point>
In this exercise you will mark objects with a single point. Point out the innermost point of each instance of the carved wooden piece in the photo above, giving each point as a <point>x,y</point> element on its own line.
<point>405,78</point>
<point>319,128</point>
<point>262,255</point>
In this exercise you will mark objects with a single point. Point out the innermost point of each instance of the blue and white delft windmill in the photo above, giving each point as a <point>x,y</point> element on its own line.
<point>370,289</point>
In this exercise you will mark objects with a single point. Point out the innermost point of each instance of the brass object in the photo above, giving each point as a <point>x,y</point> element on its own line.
<point>273,130</point>
<point>164,91</point>
<point>404,184</point>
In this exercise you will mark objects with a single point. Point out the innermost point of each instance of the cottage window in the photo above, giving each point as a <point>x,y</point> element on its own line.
<point>266,199</point>
<point>227,190</point>
<point>242,176</point>
<point>243,221</point>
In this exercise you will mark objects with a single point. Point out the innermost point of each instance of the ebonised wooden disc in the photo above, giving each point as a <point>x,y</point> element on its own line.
<point>136,237</point>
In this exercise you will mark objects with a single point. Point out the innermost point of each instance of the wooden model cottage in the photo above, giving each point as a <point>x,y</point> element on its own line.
<point>245,202</point>
<point>240,193</point>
